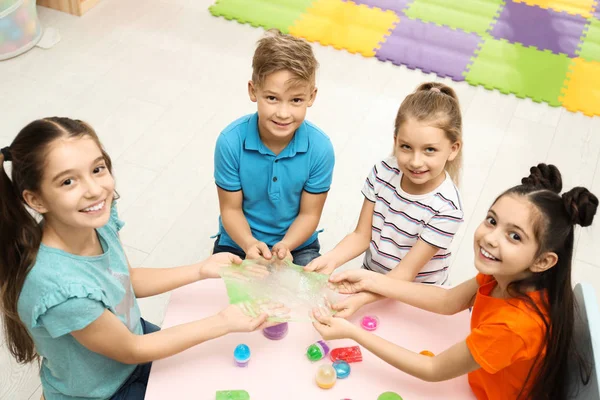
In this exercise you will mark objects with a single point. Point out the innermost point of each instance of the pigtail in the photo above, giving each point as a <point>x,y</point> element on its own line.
<point>20,238</point>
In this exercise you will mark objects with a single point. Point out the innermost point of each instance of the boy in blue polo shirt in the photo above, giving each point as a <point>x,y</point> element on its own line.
<point>273,169</point>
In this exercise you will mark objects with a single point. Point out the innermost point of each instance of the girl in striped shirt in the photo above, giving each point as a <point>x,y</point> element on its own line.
<point>412,207</point>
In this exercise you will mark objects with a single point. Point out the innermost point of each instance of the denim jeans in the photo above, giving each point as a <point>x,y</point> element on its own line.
<point>134,387</point>
<point>301,257</point>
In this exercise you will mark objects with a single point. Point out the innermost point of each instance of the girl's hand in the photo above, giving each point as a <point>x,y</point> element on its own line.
<point>210,267</point>
<point>355,281</point>
<point>324,265</point>
<point>347,307</point>
<point>236,320</point>
<point>282,251</point>
<point>332,327</point>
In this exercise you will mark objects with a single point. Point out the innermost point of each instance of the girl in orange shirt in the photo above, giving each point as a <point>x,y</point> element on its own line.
<point>523,310</point>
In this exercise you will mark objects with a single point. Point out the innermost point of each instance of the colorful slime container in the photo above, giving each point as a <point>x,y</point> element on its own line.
<point>326,376</point>
<point>369,322</point>
<point>232,395</point>
<point>317,351</point>
<point>276,332</point>
<point>342,369</point>
<point>348,354</point>
<point>241,355</point>
<point>389,396</point>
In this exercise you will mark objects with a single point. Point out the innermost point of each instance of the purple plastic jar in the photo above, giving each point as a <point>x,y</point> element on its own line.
<point>276,332</point>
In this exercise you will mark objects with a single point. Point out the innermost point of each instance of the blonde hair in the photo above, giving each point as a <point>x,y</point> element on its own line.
<point>435,104</point>
<point>276,52</point>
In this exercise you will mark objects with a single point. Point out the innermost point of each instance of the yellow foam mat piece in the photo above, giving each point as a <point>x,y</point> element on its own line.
<point>585,8</point>
<point>582,87</point>
<point>345,25</point>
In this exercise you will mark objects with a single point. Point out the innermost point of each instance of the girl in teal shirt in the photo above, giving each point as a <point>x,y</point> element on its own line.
<point>68,294</point>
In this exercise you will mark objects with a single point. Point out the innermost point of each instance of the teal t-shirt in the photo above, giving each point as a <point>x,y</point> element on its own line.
<point>65,293</point>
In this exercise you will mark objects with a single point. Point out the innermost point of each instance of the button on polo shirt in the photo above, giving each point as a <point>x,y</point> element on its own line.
<point>272,184</point>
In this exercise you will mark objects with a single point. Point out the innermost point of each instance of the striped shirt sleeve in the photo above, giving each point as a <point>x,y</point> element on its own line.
<point>368,189</point>
<point>441,228</point>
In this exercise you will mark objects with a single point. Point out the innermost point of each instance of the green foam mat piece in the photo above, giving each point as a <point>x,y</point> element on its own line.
<point>469,15</point>
<point>280,14</point>
<point>590,47</point>
<point>523,71</point>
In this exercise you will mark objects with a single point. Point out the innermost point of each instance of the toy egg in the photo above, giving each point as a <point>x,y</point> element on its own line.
<point>326,376</point>
<point>241,355</point>
<point>369,323</point>
<point>389,396</point>
<point>317,351</point>
<point>342,369</point>
<point>427,353</point>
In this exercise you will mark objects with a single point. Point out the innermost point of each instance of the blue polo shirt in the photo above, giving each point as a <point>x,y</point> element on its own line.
<point>272,184</point>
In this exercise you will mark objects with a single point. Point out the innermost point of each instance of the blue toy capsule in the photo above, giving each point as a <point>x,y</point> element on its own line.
<point>241,355</point>
<point>342,369</point>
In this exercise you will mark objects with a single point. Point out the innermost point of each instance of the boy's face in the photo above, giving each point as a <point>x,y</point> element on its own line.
<point>282,104</point>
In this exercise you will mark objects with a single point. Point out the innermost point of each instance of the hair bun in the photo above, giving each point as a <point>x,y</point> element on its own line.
<point>581,205</point>
<point>437,87</point>
<point>544,177</point>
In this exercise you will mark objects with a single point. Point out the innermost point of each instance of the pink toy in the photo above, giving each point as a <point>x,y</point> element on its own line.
<point>369,323</point>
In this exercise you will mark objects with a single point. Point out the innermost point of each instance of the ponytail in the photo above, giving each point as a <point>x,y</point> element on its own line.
<point>20,238</point>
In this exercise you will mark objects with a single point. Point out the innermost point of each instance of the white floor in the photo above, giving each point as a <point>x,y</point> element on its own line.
<point>160,79</point>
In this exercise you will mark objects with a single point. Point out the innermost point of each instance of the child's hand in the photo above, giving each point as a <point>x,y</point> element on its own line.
<point>257,250</point>
<point>355,281</point>
<point>210,267</point>
<point>324,265</point>
<point>251,271</point>
<point>347,307</point>
<point>282,251</point>
<point>332,327</point>
<point>236,320</point>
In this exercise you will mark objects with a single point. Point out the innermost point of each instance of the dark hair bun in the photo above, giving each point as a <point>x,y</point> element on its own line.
<point>581,205</point>
<point>544,177</point>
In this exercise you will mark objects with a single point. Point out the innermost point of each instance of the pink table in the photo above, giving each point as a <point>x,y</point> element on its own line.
<point>280,369</point>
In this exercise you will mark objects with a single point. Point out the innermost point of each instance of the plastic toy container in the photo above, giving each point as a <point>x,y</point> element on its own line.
<point>20,27</point>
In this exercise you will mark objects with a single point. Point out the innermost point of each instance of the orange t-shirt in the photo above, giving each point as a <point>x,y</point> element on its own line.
<point>506,336</point>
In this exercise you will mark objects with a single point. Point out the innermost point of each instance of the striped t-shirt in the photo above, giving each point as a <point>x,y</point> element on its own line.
<point>400,219</point>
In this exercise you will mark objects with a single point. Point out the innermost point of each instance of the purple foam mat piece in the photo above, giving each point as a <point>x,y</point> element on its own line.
<point>395,5</point>
<point>541,28</point>
<point>430,48</point>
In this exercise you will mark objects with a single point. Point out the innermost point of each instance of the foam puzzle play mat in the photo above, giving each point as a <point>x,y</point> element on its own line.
<point>545,50</point>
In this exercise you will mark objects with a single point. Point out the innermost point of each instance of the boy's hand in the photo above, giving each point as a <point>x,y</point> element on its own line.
<point>324,265</point>
<point>257,250</point>
<point>282,251</point>
<point>211,267</point>
<point>331,328</point>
